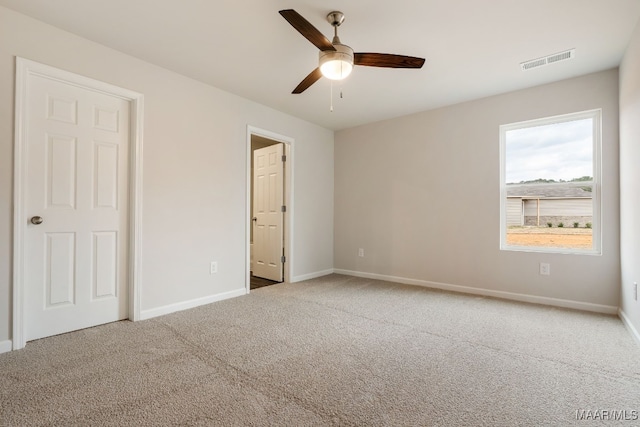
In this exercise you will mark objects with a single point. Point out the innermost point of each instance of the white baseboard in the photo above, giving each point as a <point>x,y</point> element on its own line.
<point>312,275</point>
<point>577,305</point>
<point>185,305</point>
<point>5,346</point>
<point>627,322</point>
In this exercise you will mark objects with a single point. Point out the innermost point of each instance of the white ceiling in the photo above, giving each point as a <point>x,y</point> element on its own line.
<point>473,47</point>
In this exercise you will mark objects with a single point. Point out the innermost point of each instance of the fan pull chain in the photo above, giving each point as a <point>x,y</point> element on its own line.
<point>331,100</point>
<point>331,104</point>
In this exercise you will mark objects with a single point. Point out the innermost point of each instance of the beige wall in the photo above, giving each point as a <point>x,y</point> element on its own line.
<point>420,194</point>
<point>195,161</point>
<point>630,177</point>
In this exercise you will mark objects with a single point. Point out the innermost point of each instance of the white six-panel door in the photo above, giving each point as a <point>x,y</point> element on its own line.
<point>268,183</point>
<point>77,185</point>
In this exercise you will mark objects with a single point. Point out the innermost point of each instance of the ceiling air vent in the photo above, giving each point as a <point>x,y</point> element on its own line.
<point>556,57</point>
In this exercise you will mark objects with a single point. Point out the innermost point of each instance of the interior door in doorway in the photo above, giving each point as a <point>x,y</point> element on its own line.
<point>268,215</point>
<point>76,206</point>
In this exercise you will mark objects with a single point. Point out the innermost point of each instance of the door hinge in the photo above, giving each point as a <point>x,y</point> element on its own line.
<point>283,259</point>
<point>284,157</point>
<point>283,208</point>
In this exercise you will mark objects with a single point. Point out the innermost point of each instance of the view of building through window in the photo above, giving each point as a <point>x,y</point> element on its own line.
<point>549,187</point>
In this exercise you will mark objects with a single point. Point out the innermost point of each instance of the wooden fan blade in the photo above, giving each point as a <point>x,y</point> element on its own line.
<point>387,60</point>
<point>313,77</point>
<point>305,28</point>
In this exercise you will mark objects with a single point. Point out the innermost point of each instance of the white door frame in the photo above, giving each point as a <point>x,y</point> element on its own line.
<point>288,201</point>
<point>25,68</point>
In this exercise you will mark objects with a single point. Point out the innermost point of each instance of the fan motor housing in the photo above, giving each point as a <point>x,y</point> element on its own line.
<point>336,65</point>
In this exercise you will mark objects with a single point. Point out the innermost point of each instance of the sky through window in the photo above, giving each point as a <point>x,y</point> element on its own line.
<point>558,151</point>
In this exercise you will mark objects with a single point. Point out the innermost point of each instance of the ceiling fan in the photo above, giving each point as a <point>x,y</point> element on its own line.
<point>336,59</point>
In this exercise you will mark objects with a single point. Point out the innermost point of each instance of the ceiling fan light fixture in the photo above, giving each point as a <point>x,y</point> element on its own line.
<point>336,60</point>
<point>338,64</point>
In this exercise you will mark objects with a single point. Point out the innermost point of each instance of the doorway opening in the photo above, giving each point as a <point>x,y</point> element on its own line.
<point>269,208</point>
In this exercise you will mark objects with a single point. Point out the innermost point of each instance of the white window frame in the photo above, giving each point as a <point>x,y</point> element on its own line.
<point>596,116</point>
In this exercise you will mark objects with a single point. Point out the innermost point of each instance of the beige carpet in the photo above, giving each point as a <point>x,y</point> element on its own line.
<point>332,351</point>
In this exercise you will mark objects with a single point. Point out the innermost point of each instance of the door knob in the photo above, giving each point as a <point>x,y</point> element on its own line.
<point>36,220</point>
<point>254,219</point>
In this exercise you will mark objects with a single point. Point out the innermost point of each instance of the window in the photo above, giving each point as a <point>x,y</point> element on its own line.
<point>550,184</point>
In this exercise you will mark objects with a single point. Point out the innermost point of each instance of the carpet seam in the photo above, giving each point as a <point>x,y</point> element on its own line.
<point>283,392</point>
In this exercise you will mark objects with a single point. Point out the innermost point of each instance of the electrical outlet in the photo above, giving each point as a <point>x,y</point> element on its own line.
<point>635,291</point>
<point>545,268</point>
<point>361,252</point>
<point>213,269</point>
